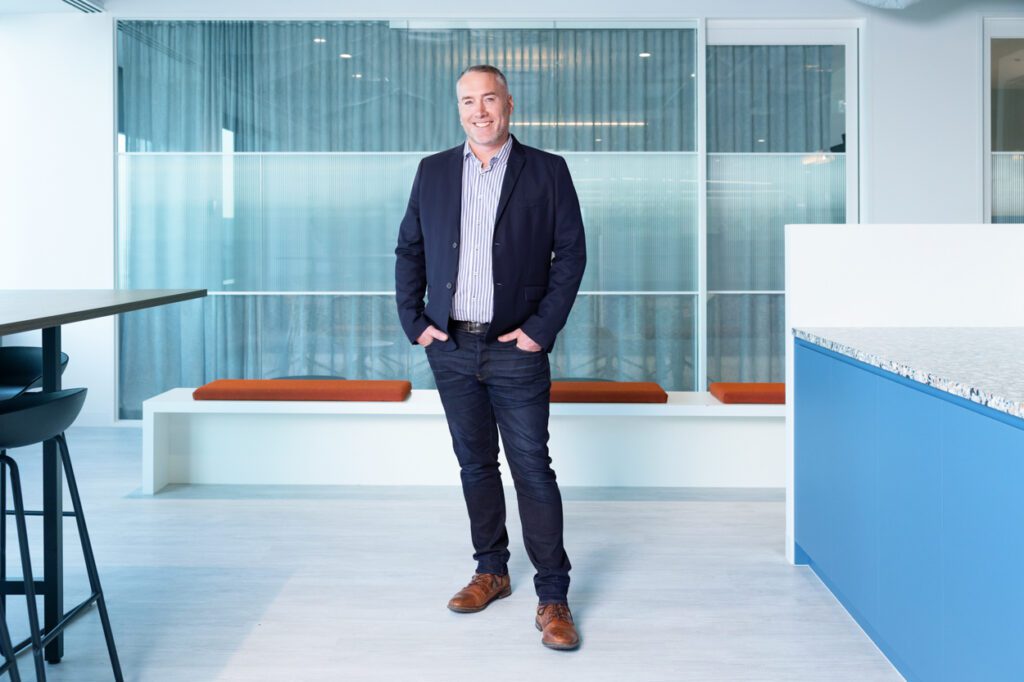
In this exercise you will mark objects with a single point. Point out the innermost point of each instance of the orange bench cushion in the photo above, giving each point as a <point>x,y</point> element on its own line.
<point>607,392</point>
<point>303,389</point>
<point>773,394</point>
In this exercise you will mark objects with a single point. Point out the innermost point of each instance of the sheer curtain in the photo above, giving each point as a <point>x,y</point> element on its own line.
<point>776,155</point>
<point>270,163</point>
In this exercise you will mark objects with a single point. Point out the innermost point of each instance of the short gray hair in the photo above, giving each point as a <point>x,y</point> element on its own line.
<point>486,68</point>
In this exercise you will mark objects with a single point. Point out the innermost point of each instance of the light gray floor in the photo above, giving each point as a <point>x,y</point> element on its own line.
<point>335,583</point>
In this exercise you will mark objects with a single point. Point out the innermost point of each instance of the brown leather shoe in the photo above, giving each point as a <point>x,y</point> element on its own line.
<point>557,628</point>
<point>481,591</point>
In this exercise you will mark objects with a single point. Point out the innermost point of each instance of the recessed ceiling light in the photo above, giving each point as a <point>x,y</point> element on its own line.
<point>319,41</point>
<point>597,139</point>
<point>644,55</point>
<point>761,140</point>
<point>357,75</point>
<point>345,55</point>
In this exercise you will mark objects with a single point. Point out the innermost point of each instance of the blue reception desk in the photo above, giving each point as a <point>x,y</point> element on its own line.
<point>909,491</point>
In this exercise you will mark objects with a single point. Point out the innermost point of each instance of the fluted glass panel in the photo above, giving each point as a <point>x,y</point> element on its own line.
<point>256,336</point>
<point>746,337</point>
<point>630,338</point>
<point>331,220</point>
<point>172,222</point>
<point>270,162</point>
<point>640,212</point>
<point>1008,188</point>
<point>625,338</point>
<point>751,197</point>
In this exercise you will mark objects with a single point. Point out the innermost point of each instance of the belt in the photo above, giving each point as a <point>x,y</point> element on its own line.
<point>470,327</point>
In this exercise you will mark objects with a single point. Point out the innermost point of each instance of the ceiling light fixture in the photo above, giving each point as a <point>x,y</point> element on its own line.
<point>319,41</point>
<point>357,75</point>
<point>345,55</point>
<point>644,55</point>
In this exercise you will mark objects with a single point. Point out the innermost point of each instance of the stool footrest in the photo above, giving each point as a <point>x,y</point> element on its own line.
<point>32,512</point>
<point>55,631</point>
<point>18,586</point>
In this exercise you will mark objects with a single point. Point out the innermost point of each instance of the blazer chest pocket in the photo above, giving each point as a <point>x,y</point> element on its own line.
<point>534,293</point>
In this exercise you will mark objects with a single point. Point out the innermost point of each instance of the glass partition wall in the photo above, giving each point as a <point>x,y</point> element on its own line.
<point>1006,122</point>
<point>270,162</point>
<point>777,133</point>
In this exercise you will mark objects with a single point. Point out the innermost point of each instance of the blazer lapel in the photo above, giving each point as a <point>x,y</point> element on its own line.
<point>454,193</point>
<point>516,159</point>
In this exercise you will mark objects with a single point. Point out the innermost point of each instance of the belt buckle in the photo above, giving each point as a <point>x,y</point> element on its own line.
<point>471,327</point>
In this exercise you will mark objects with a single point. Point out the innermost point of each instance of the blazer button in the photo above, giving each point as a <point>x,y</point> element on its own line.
<point>455,245</point>
<point>448,286</point>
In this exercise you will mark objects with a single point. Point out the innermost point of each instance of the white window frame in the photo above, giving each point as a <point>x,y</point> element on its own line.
<point>722,32</point>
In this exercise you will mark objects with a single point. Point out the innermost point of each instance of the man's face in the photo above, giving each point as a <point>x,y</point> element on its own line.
<point>484,108</point>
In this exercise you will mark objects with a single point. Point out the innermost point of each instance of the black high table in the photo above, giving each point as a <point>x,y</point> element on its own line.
<point>26,310</point>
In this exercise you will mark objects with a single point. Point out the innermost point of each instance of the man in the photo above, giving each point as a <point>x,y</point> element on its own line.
<point>493,236</point>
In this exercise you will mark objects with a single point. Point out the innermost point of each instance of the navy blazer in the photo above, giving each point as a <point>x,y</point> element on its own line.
<point>539,248</point>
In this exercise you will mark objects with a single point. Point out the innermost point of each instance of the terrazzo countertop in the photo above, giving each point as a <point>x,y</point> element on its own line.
<point>982,364</point>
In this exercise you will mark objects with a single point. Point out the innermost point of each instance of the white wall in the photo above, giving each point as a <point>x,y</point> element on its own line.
<point>57,179</point>
<point>921,122</point>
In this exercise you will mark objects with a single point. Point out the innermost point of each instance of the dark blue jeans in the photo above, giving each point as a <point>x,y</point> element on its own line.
<point>492,388</point>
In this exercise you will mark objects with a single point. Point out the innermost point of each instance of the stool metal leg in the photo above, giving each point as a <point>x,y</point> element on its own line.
<point>7,649</point>
<point>90,560</point>
<point>3,530</point>
<point>26,568</point>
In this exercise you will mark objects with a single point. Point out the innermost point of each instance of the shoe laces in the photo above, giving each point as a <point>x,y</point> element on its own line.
<point>557,610</point>
<point>485,579</point>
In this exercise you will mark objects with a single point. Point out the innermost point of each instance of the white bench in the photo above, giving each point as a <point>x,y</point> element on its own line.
<point>693,440</point>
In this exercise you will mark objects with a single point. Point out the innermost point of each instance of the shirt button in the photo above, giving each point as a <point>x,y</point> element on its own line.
<point>448,285</point>
<point>455,245</point>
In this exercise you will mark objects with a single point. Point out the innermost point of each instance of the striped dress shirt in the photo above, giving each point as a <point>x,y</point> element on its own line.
<point>473,300</point>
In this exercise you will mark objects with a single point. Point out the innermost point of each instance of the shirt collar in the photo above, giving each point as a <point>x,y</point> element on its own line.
<point>499,158</point>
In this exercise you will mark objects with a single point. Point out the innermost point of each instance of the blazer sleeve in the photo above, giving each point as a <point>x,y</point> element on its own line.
<point>567,265</point>
<point>411,267</point>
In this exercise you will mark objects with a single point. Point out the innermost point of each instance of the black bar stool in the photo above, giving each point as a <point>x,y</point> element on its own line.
<point>21,369</point>
<point>10,664</point>
<point>25,420</point>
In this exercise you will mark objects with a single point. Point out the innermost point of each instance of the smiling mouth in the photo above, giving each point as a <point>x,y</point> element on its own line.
<point>482,125</point>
